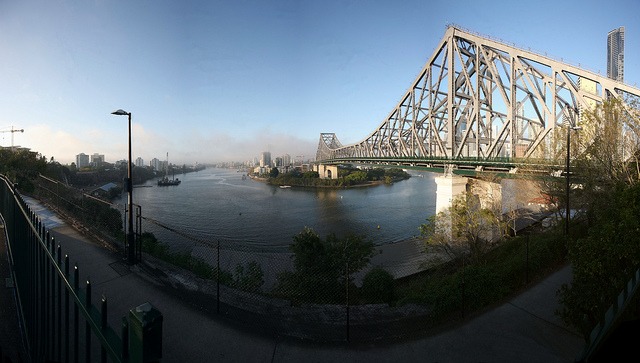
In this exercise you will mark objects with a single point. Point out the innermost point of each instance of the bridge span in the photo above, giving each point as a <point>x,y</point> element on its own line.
<point>479,102</point>
<point>482,105</point>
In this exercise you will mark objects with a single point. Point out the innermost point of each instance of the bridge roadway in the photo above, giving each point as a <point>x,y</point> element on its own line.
<point>524,329</point>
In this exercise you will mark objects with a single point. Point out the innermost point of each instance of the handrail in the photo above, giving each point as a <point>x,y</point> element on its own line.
<point>42,279</point>
<point>612,318</point>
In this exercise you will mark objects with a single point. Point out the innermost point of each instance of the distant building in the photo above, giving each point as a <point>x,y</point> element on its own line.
<point>139,161</point>
<point>82,160</point>
<point>286,160</point>
<point>615,54</point>
<point>97,159</point>
<point>155,164</point>
<point>265,159</point>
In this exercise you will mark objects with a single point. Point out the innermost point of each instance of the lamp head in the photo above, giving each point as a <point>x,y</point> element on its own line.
<point>120,112</point>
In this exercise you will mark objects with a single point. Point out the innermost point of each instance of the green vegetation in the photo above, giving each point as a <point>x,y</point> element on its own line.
<point>604,250</point>
<point>198,266</point>
<point>454,287</point>
<point>22,167</point>
<point>378,286</point>
<point>248,278</point>
<point>347,176</point>
<point>464,229</point>
<point>323,267</point>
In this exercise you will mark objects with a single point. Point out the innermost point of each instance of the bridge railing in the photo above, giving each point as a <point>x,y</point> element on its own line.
<point>614,315</point>
<point>60,322</point>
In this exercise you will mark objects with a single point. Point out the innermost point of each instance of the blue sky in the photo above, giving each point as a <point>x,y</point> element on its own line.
<point>213,81</point>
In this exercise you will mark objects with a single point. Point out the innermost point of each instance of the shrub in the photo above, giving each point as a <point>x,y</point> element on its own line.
<point>378,286</point>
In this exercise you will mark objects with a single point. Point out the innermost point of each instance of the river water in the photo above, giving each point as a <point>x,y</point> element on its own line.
<point>219,205</point>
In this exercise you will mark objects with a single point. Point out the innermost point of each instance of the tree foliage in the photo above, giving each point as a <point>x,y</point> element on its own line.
<point>607,172</point>
<point>322,267</point>
<point>378,286</point>
<point>22,167</point>
<point>465,228</point>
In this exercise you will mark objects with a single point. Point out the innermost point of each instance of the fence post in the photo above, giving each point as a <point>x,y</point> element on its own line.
<point>527,267</point>
<point>145,334</point>
<point>347,296</point>
<point>463,268</point>
<point>218,280</point>
<point>87,329</point>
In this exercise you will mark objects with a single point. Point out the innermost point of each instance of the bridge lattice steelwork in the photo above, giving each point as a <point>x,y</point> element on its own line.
<point>481,101</point>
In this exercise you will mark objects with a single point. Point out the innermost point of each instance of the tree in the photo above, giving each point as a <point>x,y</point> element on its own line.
<point>378,286</point>
<point>322,267</point>
<point>274,172</point>
<point>249,278</point>
<point>465,228</point>
<point>606,169</point>
<point>604,153</point>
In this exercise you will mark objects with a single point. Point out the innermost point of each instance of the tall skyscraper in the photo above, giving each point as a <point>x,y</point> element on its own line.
<point>265,159</point>
<point>615,54</point>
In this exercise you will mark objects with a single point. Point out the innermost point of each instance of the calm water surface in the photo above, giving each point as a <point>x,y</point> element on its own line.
<point>218,205</point>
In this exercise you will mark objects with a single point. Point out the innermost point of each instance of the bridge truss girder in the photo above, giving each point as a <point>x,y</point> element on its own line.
<point>480,98</point>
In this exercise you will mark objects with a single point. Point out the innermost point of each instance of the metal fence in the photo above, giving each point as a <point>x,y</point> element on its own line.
<point>60,321</point>
<point>254,284</point>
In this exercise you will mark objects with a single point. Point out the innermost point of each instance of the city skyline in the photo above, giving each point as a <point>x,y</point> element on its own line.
<point>83,160</point>
<point>222,81</point>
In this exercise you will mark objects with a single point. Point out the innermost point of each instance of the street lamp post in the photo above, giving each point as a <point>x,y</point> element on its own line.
<point>130,242</point>
<point>571,125</point>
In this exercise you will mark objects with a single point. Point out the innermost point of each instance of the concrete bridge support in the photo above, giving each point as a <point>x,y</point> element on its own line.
<point>448,187</point>
<point>326,171</point>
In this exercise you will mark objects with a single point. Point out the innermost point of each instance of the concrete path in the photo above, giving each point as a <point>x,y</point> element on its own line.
<point>523,330</point>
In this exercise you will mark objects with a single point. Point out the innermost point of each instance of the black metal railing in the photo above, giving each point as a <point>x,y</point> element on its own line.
<point>52,304</point>
<point>625,301</point>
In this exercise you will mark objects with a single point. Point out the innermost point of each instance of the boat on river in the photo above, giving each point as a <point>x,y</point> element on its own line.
<point>165,181</point>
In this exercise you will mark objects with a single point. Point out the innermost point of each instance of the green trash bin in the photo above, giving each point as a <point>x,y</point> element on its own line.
<point>145,334</point>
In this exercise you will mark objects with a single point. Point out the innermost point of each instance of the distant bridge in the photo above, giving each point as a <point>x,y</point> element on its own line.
<point>479,103</point>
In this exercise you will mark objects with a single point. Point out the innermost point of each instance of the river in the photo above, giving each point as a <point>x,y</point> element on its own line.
<point>219,205</point>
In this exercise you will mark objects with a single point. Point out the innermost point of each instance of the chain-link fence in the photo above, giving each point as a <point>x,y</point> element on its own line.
<point>331,296</point>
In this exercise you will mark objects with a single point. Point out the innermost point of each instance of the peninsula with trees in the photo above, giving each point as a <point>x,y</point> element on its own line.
<point>347,177</point>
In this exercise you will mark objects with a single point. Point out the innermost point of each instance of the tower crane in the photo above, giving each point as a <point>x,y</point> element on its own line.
<point>12,131</point>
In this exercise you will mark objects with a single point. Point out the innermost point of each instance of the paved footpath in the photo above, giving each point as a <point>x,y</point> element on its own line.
<point>523,330</point>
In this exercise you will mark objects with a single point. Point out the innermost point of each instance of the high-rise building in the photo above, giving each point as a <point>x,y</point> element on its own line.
<point>97,159</point>
<point>82,160</point>
<point>265,159</point>
<point>156,164</point>
<point>286,160</point>
<point>139,161</point>
<point>615,54</point>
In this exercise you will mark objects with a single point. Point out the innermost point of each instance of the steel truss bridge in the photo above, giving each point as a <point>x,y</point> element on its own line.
<point>479,104</point>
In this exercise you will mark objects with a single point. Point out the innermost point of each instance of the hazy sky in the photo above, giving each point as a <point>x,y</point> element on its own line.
<point>224,80</point>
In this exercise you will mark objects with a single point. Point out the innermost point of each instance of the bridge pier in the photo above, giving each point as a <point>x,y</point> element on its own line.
<point>448,187</point>
<point>326,171</point>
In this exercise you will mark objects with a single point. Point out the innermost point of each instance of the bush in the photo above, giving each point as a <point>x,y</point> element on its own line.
<point>378,286</point>
<point>250,278</point>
